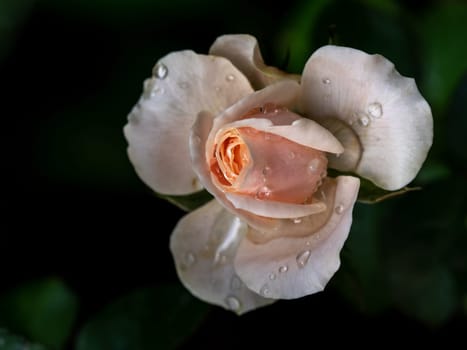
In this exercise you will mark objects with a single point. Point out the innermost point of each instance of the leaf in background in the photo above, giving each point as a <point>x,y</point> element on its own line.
<point>189,202</point>
<point>155,318</point>
<point>43,311</point>
<point>9,341</point>
<point>428,294</point>
<point>296,37</point>
<point>360,278</point>
<point>444,52</point>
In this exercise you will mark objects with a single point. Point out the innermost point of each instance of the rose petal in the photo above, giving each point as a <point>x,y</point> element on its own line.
<point>388,123</point>
<point>292,267</point>
<point>283,93</point>
<point>273,209</point>
<point>243,51</point>
<point>184,84</point>
<point>203,245</point>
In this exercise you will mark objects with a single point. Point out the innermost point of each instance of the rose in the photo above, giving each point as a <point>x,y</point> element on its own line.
<point>261,141</point>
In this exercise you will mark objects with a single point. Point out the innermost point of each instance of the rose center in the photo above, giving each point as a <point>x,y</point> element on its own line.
<point>264,165</point>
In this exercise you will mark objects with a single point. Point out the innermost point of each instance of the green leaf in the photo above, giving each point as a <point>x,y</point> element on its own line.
<point>296,38</point>
<point>189,202</point>
<point>148,319</point>
<point>360,279</point>
<point>426,293</point>
<point>444,53</point>
<point>9,341</point>
<point>43,311</point>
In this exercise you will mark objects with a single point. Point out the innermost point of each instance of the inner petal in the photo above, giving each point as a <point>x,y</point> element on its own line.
<point>266,166</point>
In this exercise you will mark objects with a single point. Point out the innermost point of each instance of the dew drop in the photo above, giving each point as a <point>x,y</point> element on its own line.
<point>297,220</point>
<point>326,81</point>
<point>160,71</point>
<point>264,291</point>
<point>302,258</point>
<point>364,120</point>
<point>283,269</point>
<point>196,139</point>
<point>291,155</point>
<point>375,110</point>
<point>272,276</point>
<point>263,192</point>
<point>235,283</point>
<point>339,209</point>
<point>230,77</point>
<point>189,259</point>
<point>266,170</point>
<point>233,303</point>
<point>314,164</point>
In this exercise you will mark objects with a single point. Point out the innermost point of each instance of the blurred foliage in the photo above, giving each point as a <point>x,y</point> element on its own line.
<point>43,311</point>
<point>9,341</point>
<point>157,318</point>
<point>75,68</point>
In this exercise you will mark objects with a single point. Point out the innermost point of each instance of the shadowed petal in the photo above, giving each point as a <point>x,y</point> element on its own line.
<point>203,245</point>
<point>243,51</point>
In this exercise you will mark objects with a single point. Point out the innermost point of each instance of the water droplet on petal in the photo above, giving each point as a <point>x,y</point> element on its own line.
<point>314,164</point>
<point>339,209</point>
<point>283,268</point>
<point>326,81</point>
<point>272,276</point>
<point>364,120</point>
<point>233,303</point>
<point>263,192</point>
<point>302,258</point>
<point>375,110</point>
<point>264,291</point>
<point>235,283</point>
<point>297,220</point>
<point>291,155</point>
<point>189,259</point>
<point>196,139</point>
<point>160,71</point>
<point>230,77</point>
<point>266,170</point>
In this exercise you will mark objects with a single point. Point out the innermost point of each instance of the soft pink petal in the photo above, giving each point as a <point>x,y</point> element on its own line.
<point>378,115</point>
<point>183,85</point>
<point>290,267</point>
<point>243,51</point>
<point>203,245</point>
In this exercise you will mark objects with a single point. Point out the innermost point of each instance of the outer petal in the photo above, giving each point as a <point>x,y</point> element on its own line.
<point>184,84</point>
<point>379,116</point>
<point>243,51</point>
<point>203,244</point>
<point>292,267</point>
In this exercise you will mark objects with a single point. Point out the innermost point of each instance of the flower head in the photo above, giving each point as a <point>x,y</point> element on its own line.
<point>261,141</point>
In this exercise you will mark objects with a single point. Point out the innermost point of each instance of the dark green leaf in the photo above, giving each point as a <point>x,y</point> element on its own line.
<point>156,318</point>
<point>43,311</point>
<point>189,202</point>
<point>428,294</point>
<point>444,56</point>
<point>296,37</point>
<point>9,341</point>
<point>360,279</point>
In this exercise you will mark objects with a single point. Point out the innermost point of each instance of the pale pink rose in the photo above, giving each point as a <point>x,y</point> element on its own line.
<point>261,142</point>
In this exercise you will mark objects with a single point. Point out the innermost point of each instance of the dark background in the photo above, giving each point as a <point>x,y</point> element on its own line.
<point>75,211</point>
